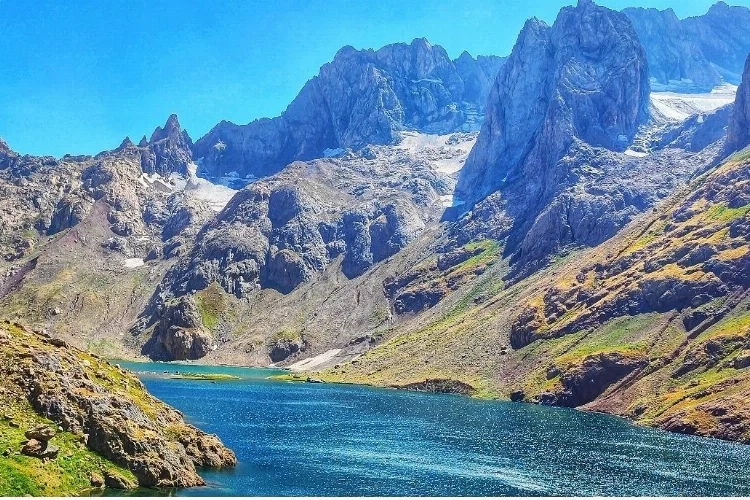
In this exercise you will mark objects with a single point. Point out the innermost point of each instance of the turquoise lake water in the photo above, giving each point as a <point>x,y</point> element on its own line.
<point>340,440</point>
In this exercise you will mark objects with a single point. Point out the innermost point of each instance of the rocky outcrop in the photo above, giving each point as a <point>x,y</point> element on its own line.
<point>180,333</point>
<point>108,408</point>
<point>738,132</point>
<point>439,385</point>
<point>697,53</point>
<point>278,234</point>
<point>581,383</point>
<point>548,169</point>
<point>569,169</point>
<point>424,286</point>
<point>169,150</point>
<point>362,97</point>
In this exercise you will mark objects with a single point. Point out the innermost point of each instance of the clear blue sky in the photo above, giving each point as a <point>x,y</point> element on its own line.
<point>76,76</point>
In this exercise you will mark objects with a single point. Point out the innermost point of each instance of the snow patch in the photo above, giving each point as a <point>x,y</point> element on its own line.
<point>636,154</point>
<point>216,195</point>
<point>444,153</point>
<point>674,106</point>
<point>131,263</point>
<point>310,363</point>
<point>333,153</point>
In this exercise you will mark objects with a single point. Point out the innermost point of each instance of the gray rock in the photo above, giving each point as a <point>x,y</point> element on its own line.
<point>180,333</point>
<point>738,132</point>
<point>362,97</point>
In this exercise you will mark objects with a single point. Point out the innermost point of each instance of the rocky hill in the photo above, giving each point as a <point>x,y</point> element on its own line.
<point>347,213</point>
<point>697,53</point>
<point>361,97</point>
<point>73,423</point>
<point>77,231</point>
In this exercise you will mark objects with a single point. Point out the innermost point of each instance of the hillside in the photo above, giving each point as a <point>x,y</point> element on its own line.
<point>73,422</point>
<point>651,325</point>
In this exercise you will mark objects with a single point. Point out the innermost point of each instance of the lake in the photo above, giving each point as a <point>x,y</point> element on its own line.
<point>341,440</point>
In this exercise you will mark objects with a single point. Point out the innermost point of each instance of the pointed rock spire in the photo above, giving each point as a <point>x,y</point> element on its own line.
<point>126,143</point>
<point>144,142</point>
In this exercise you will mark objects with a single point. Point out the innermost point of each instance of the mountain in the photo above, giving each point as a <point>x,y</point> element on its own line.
<point>335,215</point>
<point>169,149</point>
<point>651,324</point>
<point>361,97</point>
<point>697,53</point>
<point>587,225</point>
<point>554,166</point>
<point>738,133</point>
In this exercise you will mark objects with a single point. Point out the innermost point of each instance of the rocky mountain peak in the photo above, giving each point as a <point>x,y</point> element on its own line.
<point>169,150</point>
<point>719,8</point>
<point>171,130</point>
<point>738,132</point>
<point>401,86</point>
<point>697,53</point>
<point>537,109</point>
<point>126,143</point>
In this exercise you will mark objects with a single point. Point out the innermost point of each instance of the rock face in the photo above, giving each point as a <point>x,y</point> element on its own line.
<point>169,150</point>
<point>674,265</point>
<point>536,108</point>
<point>584,382</point>
<point>697,53</point>
<point>108,408</point>
<point>180,333</point>
<point>345,213</point>
<point>738,132</point>
<point>361,97</point>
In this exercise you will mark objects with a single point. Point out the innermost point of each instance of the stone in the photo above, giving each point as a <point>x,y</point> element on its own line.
<point>517,395</point>
<point>97,481</point>
<point>41,433</point>
<point>118,481</point>
<point>40,449</point>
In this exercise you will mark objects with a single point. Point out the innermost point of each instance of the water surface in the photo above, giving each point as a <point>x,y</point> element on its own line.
<point>324,439</point>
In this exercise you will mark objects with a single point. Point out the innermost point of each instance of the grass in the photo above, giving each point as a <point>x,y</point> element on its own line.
<point>68,474</point>
<point>210,303</point>
<point>722,213</point>
<point>286,335</point>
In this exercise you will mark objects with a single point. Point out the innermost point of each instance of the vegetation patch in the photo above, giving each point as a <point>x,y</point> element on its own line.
<point>210,303</point>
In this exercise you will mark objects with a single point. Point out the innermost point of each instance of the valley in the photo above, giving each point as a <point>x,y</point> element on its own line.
<point>567,225</point>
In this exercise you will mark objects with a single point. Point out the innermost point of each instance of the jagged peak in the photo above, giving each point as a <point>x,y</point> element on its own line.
<point>345,51</point>
<point>143,142</point>
<point>126,143</point>
<point>171,128</point>
<point>719,6</point>
<point>421,43</point>
<point>465,56</point>
<point>173,124</point>
<point>4,148</point>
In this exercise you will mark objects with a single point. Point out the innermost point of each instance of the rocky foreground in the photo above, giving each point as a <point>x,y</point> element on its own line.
<point>72,421</point>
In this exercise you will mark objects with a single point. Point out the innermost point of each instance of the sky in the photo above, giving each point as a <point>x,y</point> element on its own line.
<point>77,76</point>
